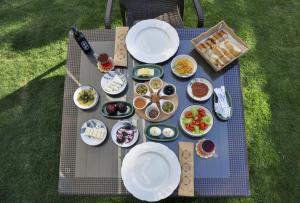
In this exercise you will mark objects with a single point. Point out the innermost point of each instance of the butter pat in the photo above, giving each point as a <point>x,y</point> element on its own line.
<point>145,72</point>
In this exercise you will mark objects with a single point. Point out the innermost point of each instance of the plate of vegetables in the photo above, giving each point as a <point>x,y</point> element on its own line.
<point>196,120</point>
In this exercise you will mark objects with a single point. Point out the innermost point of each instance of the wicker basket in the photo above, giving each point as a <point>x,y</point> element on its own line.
<point>204,36</point>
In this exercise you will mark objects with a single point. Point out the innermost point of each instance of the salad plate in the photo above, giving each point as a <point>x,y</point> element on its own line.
<point>85,97</point>
<point>152,41</point>
<point>150,171</point>
<point>196,120</point>
<point>124,134</point>
<point>93,132</point>
<point>147,71</point>
<point>113,82</point>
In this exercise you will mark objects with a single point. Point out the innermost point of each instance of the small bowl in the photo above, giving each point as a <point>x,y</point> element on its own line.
<point>142,84</point>
<point>147,101</point>
<point>153,106</point>
<point>162,102</point>
<point>191,59</point>
<point>162,94</point>
<point>155,90</point>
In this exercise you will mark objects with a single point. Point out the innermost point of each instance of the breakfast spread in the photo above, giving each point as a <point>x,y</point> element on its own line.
<point>156,100</point>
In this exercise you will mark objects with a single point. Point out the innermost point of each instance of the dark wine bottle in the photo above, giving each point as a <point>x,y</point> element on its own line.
<point>81,40</point>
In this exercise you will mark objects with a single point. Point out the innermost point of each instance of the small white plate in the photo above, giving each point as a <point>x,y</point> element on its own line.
<point>93,123</point>
<point>76,94</point>
<point>150,171</point>
<point>119,125</point>
<point>207,112</point>
<point>173,62</point>
<point>152,41</point>
<point>108,77</point>
<point>202,80</point>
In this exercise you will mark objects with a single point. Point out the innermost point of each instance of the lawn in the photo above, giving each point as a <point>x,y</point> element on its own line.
<point>33,39</point>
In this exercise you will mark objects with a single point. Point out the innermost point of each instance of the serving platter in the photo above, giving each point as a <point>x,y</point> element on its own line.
<point>161,137</point>
<point>155,98</point>
<point>152,41</point>
<point>150,171</point>
<point>118,114</point>
<point>158,72</point>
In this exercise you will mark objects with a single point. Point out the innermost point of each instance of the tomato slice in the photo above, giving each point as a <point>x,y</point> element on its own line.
<point>202,126</point>
<point>188,114</point>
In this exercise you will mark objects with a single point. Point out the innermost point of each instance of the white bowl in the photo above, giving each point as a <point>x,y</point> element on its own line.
<point>153,89</point>
<point>151,107</point>
<point>141,97</point>
<point>162,101</point>
<point>162,94</point>
<point>76,93</point>
<point>142,84</point>
<point>186,75</point>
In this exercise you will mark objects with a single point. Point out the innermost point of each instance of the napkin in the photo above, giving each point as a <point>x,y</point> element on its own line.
<point>222,107</point>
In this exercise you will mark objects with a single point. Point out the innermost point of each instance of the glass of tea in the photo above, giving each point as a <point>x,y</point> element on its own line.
<point>205,148</point>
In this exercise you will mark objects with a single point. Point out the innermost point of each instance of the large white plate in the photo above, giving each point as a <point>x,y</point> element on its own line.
<point>152,41</point>
<point>93,123</point>
<point>106,78</point>
<point>150,171</point>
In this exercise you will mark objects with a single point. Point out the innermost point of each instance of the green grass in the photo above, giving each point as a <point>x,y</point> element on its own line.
<point>32,67</point>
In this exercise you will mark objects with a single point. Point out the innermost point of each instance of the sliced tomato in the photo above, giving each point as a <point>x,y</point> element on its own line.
<point>202,126</point>
<point>202,113</point>
<point>188,114</point>
<point>189,127</point>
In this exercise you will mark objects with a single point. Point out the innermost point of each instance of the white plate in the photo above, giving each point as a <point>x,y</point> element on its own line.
<point>150,171</point>
<point>202,80</point>
<point>184,56</point>
<point>108,77</point>
<point>116,127</point>
<point>152,41</point>
<point>76,93</point>
<point>93,123</point>
<point>208,113</point>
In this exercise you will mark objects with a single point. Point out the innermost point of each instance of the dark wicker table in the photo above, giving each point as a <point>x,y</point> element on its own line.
<point>86,170</point>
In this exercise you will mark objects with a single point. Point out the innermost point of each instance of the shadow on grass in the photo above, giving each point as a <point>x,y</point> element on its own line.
<point>30,139</point>
<point>46,21</point>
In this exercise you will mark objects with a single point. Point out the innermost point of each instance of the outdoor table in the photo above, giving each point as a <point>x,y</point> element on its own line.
<point>87,170</point>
